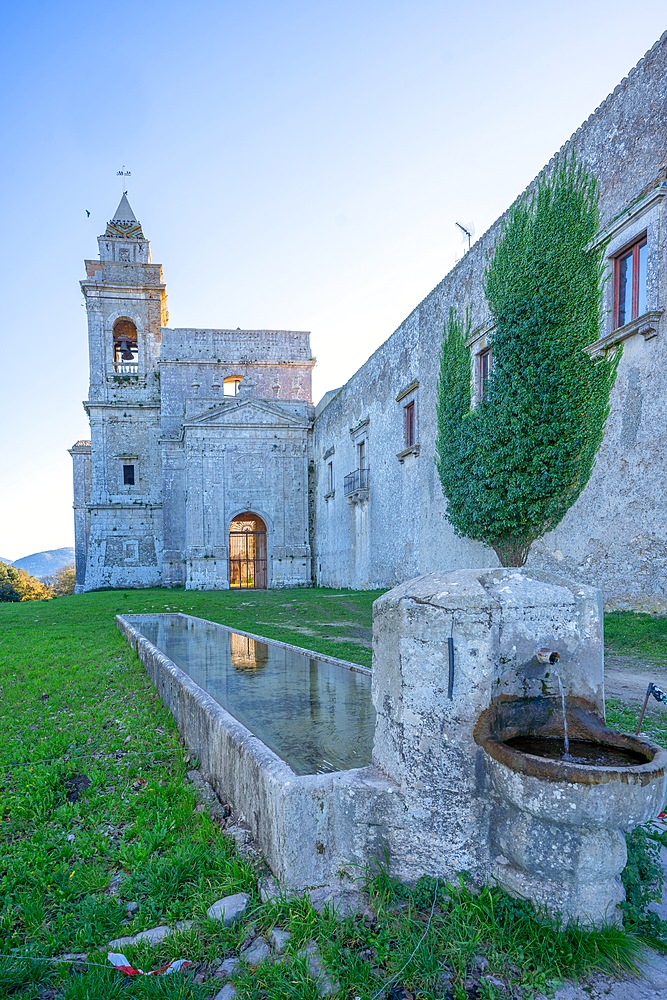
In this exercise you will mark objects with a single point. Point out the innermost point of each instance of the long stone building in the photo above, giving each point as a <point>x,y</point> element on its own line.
<point>209,467</point>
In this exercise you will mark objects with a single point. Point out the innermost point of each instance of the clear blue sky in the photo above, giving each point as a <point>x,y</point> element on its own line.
<point>295,165</point>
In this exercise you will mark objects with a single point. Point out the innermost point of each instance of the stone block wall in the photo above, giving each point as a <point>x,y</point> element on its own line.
<point>124,546</point>
<point>613,536</point>
<point>82,473</point>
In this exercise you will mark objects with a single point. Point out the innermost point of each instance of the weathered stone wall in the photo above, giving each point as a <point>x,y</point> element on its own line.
<point>224,455</point>
<point>82,476</point>
<point>614,534</point>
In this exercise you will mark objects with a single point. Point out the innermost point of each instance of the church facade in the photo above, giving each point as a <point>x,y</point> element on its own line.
<point>209,467</point>
<point>196,472</point>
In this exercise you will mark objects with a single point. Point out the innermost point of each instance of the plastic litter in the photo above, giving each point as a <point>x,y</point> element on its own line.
<point>123,965</point>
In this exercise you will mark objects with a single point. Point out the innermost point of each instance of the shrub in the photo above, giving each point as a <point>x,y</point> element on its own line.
<point>27,587</point>
<point>63,581</point>
<point>514,464</point>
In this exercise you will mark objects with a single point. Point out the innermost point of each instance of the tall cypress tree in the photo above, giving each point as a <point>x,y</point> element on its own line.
<point>514,464</point>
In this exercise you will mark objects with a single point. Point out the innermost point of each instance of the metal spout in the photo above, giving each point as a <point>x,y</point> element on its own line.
<point>546,655</point>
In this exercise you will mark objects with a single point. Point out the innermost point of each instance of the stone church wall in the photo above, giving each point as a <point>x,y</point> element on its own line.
<point>614,535</point>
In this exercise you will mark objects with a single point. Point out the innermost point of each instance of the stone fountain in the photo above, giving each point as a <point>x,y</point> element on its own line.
<point>469,664</point>
<point>476,675</point>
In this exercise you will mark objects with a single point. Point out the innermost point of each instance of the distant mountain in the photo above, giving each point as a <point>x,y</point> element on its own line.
<point>41,564</point>
<point>10,562</point>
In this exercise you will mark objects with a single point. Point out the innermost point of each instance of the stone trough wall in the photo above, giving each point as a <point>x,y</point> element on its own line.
<point>315,829</point>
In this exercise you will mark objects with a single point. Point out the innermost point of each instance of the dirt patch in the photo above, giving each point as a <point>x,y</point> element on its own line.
<point>75,785</point>
<point>627,677</point>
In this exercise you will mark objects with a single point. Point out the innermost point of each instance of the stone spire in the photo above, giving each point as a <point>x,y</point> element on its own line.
<point>124,239</point>
<point>124,224</point>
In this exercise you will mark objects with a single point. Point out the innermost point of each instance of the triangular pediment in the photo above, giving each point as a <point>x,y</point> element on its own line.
<point>246,413</point>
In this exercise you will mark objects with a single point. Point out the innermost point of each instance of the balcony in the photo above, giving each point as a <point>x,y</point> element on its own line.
<point>126,367</point>
<point>355,486</point>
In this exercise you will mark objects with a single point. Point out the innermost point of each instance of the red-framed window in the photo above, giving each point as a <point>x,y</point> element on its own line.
<point>630,283</point>
<point>485,366</point>
<point>410,425</point>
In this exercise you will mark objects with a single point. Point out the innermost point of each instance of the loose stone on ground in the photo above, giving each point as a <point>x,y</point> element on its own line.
<point>153,936</point>
<point>216,808</point>
<point>226,993</point>
<point>268,888</point>
<point>228,909</point>
<point>227,968</point>
<point>326,985</point>
<point>256,951</point>
<point>279,938</point>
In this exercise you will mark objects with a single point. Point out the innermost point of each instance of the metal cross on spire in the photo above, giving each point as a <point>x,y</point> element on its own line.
<point>123,174</point>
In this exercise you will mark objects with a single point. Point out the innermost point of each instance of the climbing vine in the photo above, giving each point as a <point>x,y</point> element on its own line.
<point>514,464</point>
<point>643,880</point>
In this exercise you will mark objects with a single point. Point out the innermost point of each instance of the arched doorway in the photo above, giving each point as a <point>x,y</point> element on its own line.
<point>247,552</point>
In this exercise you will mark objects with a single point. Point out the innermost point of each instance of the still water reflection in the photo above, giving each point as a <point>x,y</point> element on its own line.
<point>316,716</point>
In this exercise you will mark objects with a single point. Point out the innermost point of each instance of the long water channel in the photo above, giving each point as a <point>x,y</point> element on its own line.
<point>314,714</point>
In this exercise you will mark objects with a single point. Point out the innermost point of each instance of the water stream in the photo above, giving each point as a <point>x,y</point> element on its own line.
<point>566,737</point>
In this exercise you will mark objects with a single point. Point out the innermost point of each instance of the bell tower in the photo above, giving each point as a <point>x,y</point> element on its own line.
<point>126,305</point>
<point>126,302</point>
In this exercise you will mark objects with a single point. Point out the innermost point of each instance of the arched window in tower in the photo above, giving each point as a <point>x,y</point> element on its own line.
<point>231,385</point>
<point>125,348</point>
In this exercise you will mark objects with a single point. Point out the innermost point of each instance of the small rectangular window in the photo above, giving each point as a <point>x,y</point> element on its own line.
<point>128,475</point>
<point>131,551</point>
<point>410,426</point>
<point>630,283</point>
<point>485,366</point>
<point>330,478</point>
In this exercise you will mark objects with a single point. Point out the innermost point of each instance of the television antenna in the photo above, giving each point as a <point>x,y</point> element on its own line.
<point>468,233</point>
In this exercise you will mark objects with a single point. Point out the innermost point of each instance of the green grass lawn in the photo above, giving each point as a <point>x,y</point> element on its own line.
<point>638,635</point>
<point>97,811</point>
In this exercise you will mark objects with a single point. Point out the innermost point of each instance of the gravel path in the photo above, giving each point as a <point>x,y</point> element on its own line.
<point>627,678</point>
<point>651,985</point>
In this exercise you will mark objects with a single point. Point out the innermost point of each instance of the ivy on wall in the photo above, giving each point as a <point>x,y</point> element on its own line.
<point>514,464</point>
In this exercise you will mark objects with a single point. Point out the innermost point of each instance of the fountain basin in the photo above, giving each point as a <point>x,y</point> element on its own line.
<point>557,827</point>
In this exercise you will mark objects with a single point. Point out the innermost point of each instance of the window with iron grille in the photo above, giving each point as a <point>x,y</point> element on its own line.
<point>410,424</point>
<point>630,283</point>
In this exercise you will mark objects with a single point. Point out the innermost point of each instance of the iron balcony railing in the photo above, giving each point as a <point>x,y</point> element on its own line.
<point>356,482</point>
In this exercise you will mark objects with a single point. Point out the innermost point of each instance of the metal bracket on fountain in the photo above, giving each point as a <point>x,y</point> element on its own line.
<point>658,694</point>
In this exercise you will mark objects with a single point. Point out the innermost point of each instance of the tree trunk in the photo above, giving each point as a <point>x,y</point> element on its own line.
<point>512,551</point>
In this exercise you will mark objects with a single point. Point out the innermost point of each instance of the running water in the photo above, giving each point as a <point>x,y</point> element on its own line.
<point>566,738</point>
